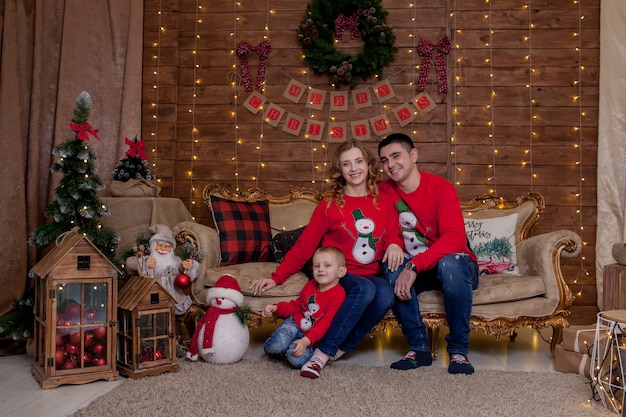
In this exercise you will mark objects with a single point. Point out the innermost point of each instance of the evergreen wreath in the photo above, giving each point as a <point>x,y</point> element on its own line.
<point>326,21</point>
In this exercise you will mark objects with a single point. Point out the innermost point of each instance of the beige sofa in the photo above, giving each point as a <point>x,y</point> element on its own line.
<point>538,297</point>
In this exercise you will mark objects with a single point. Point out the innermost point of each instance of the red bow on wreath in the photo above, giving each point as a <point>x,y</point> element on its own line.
<point>244,50</point>
<point>342,22</point>
<point>83,129</point>
<point>425,50</point>
<point>136,148</point>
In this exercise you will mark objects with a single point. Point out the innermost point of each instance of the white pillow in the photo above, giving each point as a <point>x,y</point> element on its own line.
<point>493,242</point>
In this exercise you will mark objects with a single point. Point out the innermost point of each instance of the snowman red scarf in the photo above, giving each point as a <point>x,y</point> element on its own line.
<point>208,320</point>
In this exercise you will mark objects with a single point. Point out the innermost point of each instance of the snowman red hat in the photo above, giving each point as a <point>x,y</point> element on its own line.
<point>226,287</point>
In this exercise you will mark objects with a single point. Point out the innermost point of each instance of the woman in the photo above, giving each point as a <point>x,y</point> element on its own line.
<point>355,218</point>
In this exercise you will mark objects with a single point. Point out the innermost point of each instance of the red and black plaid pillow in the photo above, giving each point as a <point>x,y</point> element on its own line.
<point>244,230</point>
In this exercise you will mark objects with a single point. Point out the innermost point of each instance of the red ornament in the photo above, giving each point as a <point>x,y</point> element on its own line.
<point>100,333</point>
<point>89,339</point>
<point>72,309</point>
<point>75,338</point>
<point>59,358</point>
<point>98,348</point>
<point>71,349</point>
<point>182,281</point>
<point>158,354</point>
<point>69,365</point>
<point>60,339</point>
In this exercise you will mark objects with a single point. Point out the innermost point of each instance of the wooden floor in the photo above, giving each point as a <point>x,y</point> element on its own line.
<point>21,396</point>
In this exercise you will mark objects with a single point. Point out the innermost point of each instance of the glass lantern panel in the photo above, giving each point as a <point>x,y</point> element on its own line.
<point>96,301</point>
<point>146,326</point>
<point>162,324</point>
<point>147,351</point>
<point>162,349</point>
<point>69,297</point>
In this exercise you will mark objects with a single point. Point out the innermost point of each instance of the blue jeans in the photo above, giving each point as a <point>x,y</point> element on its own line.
<point>281,343</point>
<point>456,276</point>
<point>367,301</point>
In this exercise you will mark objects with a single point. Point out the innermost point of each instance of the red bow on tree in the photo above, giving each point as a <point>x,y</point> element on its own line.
<point>425,50</point>
<point>136,148</point>
<point>83,129</point>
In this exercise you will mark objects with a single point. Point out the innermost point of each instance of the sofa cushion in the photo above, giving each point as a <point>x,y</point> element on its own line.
<point>493,241</point>
<point>244,274</point>
<point>496,288</point>
<point>244,230</point>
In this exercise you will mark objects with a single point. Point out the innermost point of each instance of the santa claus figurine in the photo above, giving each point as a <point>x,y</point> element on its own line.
<point>221,336</point>
<point>164,265</point>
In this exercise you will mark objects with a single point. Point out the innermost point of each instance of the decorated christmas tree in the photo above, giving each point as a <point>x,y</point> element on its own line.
<point>135,164</point>
<point>77,204</point>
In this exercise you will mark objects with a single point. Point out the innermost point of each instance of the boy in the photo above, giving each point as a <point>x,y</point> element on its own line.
<point>309,316</point>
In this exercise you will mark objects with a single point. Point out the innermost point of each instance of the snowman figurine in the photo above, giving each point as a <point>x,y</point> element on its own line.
<point>364,249</point>
<point>220,336</point>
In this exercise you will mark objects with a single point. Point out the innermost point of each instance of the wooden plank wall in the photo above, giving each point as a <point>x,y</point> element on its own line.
<point>520,113</point>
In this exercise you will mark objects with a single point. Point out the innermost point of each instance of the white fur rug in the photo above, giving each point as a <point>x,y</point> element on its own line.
<point>268,388</point>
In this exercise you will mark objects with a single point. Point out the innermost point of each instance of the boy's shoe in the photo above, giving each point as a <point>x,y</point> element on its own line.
<point>311,369</point>
<point>460,365</point>
<point>413,360</point>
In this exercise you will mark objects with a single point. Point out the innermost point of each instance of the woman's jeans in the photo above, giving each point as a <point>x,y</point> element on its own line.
<point>367,302</point>
<point>281,340</point>
<point>456,276</point>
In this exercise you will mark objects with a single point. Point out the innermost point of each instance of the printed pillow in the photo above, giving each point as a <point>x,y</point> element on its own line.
<point>244,230</point>
<point>493,242</point>
<point>283,242</point>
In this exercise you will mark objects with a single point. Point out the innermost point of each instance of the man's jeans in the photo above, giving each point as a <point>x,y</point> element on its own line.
<point>456,276</point>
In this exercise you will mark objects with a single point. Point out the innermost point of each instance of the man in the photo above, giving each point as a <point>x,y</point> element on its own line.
<point>438,256</point>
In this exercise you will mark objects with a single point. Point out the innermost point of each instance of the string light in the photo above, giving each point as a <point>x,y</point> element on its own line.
<point>194,129</point>
<point>235,86</point>
<point>528,159</point>
<point>582,271</point>
<point>155,104</point>
<point>491,124</point>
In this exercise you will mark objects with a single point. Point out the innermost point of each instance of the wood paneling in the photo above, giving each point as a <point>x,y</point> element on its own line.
<point>521,110</point>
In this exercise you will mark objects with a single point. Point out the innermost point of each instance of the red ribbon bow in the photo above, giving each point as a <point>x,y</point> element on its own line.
<point>425,50</point>
<point>244,50</point>
<point>342,22</point>
<point>136,149</point>
<point>82,130</point>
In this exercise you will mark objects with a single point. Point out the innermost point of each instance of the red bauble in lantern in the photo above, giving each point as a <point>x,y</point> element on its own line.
<point>98,348</point>
<point>72,310</point>
<point>100,333</point>
<point>75,338</point>
<point>71,349</point>
<point>182,281</point>
<point>59,358</point>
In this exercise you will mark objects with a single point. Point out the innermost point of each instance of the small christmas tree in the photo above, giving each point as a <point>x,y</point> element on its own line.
<point>135,164</point>
<point>77,204</point>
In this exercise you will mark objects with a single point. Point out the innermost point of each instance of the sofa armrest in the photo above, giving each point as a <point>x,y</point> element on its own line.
<point>541,255</point>
<point>207,240</point>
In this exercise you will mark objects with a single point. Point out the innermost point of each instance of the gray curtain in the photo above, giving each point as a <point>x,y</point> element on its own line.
<point>51,51</point>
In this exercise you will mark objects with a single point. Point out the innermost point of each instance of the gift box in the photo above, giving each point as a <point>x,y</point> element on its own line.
<point>572,362</point>
<point>579,339</point>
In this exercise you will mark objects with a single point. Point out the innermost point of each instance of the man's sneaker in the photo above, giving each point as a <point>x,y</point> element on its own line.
<point>311,369</point>
<point>460,365</point>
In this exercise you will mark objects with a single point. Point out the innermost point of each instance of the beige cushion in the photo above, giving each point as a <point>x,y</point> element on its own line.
<point>524,211</point>
<point>290,216</point>
<point>496,288</point>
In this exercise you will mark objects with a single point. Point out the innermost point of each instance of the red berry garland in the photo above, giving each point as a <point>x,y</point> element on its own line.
<point>244,50</point>
<point>425,50</point>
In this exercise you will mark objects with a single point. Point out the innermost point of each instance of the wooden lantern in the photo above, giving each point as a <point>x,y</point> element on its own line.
<point>146,329</point>
<point>75,300</point>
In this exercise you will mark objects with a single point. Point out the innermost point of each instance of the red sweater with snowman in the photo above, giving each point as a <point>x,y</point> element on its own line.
<point>436,206</point>
<point>360,229</point>
<point>313,310</point>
